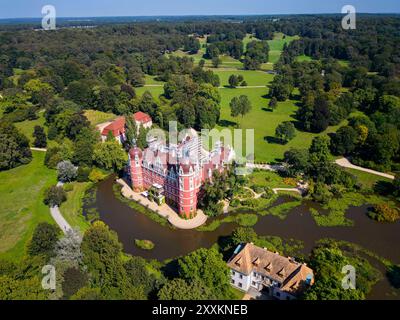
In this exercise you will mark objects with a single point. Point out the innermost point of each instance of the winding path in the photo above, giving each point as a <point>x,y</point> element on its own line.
<point>57,216</point>
<point>343,162</point>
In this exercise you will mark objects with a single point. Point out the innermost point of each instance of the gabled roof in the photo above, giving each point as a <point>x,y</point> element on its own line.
<point>117,127</point>
<point>291,274</point>
<point>142,117</point>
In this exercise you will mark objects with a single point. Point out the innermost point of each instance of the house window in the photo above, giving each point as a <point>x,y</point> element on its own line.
<point>233,272</point>
<point>241,276</point>
<point>239,284</point>
<point>233,281</point>
<point>253,283</point>
<point>255,274</point>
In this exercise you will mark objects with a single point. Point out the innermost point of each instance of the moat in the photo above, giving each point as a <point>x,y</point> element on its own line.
<point>380,238</point>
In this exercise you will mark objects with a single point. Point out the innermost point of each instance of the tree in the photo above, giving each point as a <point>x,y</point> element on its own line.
<point>396,186</point>
<point>216,61</point>
<point>208,267</point>
<point>233,81</point>
<point>319,149</point>
<point>327,262</point>
<point>68,248</point>
<point>40,137</point>
<point>240,106</point>
<point>131,130</point>
<point>14,147</point>
<point>179,289</point>
<point>139,275</point>
<point>110,156</point>
<point>297,161</point>
<point>83,147</point>
<point>383,212</point>
<point>41,92</point>
<point>285,131</point>
<point>273,103</point>
<point>87,294</point>
<point>102,254</point>
<point>243,235</point>
<point>44,239</point>
<point>192,45</point>
<point>54,196</point>
<point>67,172</point>
<point>344,141</point>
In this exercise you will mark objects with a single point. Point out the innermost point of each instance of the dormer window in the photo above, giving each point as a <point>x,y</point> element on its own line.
<point>268,267</point>
<point>238,262</point>
<point>282,272</point>
<point>256,262</point>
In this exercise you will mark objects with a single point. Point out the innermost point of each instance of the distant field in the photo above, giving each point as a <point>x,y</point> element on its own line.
<point>276,46</point>
<point>22,206</point>
<point>96,117</point>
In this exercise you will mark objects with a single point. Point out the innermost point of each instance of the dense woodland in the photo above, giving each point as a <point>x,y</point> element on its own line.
<point>350,75</point>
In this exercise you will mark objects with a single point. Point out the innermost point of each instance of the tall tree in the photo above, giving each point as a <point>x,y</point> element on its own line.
<point>240,106</point>
<point>40,137</point>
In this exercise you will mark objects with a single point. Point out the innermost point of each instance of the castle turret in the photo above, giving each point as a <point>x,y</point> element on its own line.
<point>135,158</point>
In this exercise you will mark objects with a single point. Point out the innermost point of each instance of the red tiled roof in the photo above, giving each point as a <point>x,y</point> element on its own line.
<point>118,125</point>
<point>142,117</point>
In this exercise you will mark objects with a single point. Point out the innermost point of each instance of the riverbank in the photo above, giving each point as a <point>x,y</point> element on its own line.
<point>163,210</point>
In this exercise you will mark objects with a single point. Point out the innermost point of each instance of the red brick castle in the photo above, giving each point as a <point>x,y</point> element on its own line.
<point>177,171</point>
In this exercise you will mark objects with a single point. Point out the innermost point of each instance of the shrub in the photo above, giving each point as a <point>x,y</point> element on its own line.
<point>44,239</point>
<point>384,213</point>
<point>66,171</point>
<point>96,175</point>
<point>83,174</point>
<point>68,187</point>
<point>55,196</point>
<point>144,244</point>
<point>235,203</point>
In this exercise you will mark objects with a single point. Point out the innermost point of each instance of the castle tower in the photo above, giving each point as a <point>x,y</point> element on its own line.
<point>187,190</point>
<point>135,159</point>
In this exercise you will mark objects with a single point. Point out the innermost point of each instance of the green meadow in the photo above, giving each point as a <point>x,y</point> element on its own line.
<point>22,208</point>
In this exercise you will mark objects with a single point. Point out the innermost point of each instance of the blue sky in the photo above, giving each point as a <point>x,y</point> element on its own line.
<point>85,8</point>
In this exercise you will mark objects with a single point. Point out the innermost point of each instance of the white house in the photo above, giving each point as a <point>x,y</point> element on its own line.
<point>257,268</point>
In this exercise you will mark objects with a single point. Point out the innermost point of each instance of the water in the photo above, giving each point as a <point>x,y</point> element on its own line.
<point>381,238</point>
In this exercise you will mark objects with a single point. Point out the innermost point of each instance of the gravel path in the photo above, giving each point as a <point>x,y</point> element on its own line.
<point>343,162</point>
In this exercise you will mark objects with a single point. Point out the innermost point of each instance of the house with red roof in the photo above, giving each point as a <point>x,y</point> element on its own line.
<point>117,127</point>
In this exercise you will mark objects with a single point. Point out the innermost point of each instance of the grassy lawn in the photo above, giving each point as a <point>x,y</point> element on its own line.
<point>150,80</point>
<point>264,123</point>
<point>265,178</point>
<point>27,127</point>
<point>72,208</point>
<point>253,78</point>
<point>276,45</point>
<point>304,58</point>
<point>96,117</point>
<point>22,206</point>
<point>366,179</point>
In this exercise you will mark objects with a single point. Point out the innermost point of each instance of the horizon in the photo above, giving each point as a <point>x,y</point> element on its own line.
<point>20,9</point>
